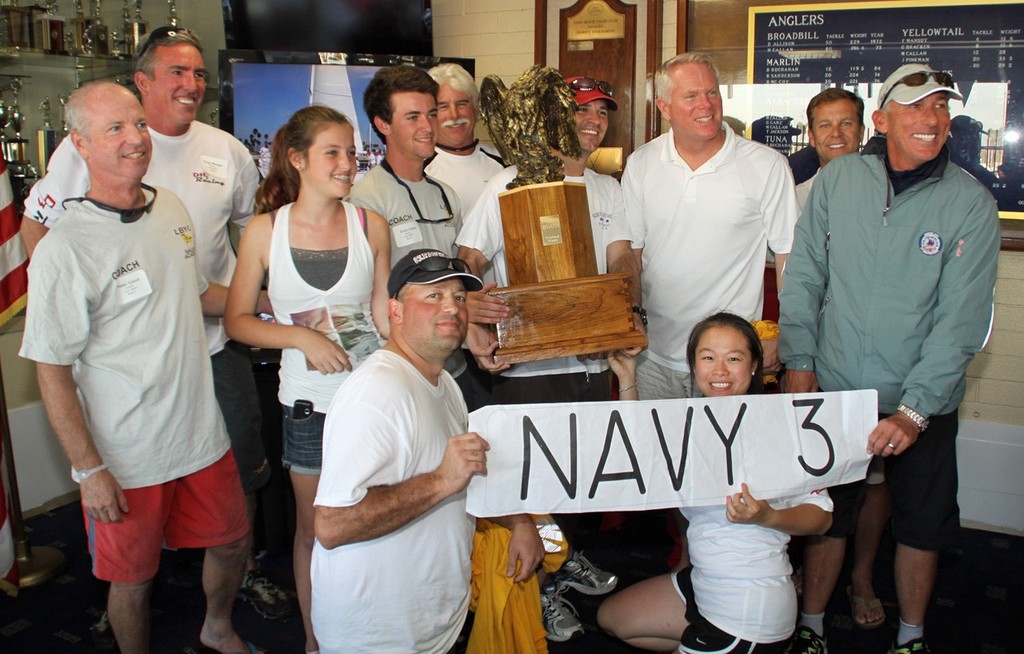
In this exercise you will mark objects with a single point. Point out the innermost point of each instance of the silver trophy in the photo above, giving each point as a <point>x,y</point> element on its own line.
<point>14,146</point>
<point>99,33</point>
<point>62,98</point>
<point>134,28</point>
<point>81,39</point>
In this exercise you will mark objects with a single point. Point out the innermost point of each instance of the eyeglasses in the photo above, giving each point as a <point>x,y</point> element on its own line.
<point>919,79</point>
<point>587,84</point>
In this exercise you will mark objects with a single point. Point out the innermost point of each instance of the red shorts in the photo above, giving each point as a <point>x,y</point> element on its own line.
<point>204,509</point>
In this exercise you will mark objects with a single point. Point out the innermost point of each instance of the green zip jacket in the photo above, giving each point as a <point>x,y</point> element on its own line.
<point>891,293</point>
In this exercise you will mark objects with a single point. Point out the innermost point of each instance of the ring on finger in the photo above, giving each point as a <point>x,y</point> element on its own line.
<point>891,446</point>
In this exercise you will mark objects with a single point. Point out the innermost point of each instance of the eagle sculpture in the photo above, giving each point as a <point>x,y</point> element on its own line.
<point>529,119</point>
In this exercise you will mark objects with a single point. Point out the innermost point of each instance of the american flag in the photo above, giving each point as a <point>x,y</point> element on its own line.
<point>13,291</point>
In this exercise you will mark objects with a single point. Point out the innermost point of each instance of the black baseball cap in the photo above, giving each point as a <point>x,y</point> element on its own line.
<point>428,266</point>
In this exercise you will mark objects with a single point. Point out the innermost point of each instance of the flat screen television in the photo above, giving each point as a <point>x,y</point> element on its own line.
<point>260,90</point>
<point>375,26</point>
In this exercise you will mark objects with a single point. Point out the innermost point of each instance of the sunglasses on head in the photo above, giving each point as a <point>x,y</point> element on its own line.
<point>161,33</point>
<point>435,264</point>
<point>919,79</point>
<point>587,84</point>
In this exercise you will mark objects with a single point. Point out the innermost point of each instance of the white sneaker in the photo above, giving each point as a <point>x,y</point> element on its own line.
<point>580,574</point>
<point>560,617</point>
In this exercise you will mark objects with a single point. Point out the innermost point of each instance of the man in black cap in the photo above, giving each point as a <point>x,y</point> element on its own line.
<point>391,565</point>
<point>889,286</point>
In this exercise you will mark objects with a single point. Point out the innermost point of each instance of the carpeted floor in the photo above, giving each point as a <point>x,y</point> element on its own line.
<point>978,607</point>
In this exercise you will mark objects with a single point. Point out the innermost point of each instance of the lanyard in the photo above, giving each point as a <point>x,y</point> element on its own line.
<point>444,198</point>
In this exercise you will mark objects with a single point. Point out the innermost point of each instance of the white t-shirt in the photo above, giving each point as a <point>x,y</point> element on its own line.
<point>120,304</point>
<point>741,573</point>
<point>705,234</point>
<point>483,232</point>
<point>342,310</point>
<point>407,591</point>
<point>210,170</point>
<point>467,174</point>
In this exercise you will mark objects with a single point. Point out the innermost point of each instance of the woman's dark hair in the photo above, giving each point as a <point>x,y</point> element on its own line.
<point>726,319</point>
<point>281,185</point>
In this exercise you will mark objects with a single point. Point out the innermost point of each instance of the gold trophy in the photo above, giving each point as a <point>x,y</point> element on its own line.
<point>559,305</point>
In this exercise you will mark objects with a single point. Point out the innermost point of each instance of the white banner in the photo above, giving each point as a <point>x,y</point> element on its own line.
<point>621,456</point>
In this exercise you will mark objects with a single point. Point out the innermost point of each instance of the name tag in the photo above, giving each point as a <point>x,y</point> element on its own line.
<point>133,286</point>
<point>406,234</point>
<point>215,167</point>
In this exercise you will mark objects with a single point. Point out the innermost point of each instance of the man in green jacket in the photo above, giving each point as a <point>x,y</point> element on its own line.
<point>889,286</point>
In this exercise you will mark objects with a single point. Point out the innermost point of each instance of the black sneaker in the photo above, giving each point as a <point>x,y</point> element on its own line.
<point>916,646</point>
<point>264,596</point>
<point>805,641</point>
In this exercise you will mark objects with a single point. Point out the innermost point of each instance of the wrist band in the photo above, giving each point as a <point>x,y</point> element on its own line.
<point>81,475</point>
<point>627,388</point>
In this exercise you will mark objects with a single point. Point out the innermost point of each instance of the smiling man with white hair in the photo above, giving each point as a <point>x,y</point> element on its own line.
<point>889,286</point>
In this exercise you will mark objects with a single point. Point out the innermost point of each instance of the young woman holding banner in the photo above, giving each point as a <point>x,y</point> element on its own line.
<point>737,595</point>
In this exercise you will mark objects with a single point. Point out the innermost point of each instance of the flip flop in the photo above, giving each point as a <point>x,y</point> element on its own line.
<point>864,607</point>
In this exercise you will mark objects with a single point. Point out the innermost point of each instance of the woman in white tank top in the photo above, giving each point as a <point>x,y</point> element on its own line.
<point>327,266</point>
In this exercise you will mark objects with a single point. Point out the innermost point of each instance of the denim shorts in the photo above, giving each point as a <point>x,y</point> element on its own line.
<point>303,442</point>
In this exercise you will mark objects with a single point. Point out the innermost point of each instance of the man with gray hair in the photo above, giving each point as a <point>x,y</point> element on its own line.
<point>890,286</point>
<point>460,160</point>
<point>214,175</point>
<point>116,283</point>
<point>703,207</point>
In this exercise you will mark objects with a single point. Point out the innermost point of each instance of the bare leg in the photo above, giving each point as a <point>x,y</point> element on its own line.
<point>223,568</point>
<point>302,551</point>
<point>649,615</point>
<point>823,561</point>
<point>250,513</point>
<point>915,579</point>
<point>128,612</point>
<point>871,522</point>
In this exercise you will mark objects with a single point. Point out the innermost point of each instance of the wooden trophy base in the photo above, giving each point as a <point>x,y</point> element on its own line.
<point>567,317</point>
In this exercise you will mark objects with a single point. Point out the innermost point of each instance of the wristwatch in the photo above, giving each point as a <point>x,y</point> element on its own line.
<point>642,312</point>
<point>919,419</point>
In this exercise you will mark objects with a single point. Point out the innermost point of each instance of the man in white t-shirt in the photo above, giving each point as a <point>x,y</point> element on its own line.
<point>214,175</point>
<point>391,563</point>
<point>115,328</point>
<point>703,206</point>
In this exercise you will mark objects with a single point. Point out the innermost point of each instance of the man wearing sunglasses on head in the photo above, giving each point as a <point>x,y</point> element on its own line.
<point>214,175</point>
<point>889,286</point>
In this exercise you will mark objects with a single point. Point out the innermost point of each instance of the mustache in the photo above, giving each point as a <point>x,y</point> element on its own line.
<point>457,122</point>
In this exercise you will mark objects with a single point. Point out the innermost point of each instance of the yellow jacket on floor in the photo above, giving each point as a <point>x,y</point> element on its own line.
<point>508,615</point>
